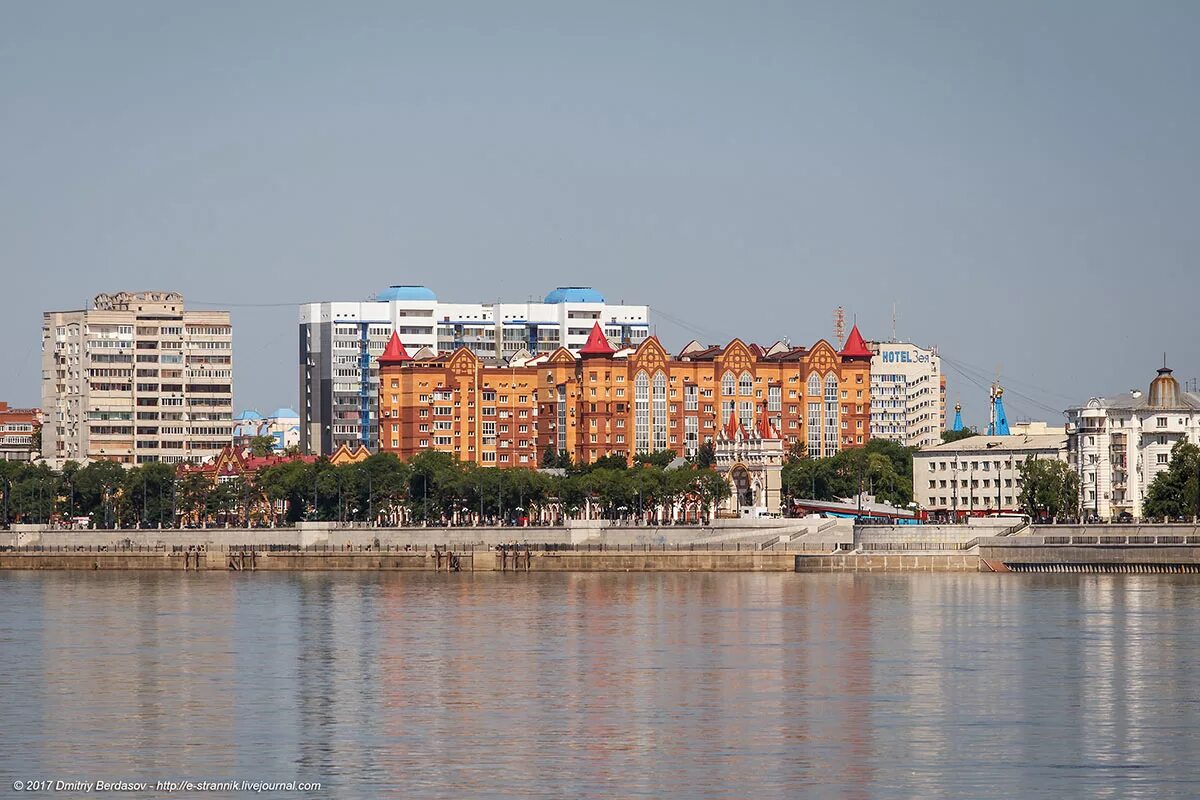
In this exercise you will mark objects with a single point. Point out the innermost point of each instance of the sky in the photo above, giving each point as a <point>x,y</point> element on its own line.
<point>1017,180</point>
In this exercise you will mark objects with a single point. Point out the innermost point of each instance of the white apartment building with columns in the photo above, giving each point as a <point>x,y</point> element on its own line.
<point>1119,444</point>
<point>980,475</point>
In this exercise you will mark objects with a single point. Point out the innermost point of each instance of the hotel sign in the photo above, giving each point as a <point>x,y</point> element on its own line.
<point>903,357</point>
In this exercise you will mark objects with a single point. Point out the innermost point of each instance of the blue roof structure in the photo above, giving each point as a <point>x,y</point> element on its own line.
<point>574,294</point>
<point>958,426</point>
<point>406,292</point>
<point>1000,427</point>
<point>283,413</point>
<point>250,414</point>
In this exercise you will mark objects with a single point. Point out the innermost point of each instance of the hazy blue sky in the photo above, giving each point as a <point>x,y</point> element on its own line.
<point>1020,178</point>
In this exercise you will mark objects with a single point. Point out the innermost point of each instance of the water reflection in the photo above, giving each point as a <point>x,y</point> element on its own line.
<point>595,685</point>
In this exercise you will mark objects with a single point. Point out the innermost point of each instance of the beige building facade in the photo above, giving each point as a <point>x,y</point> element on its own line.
<point>979,475</point>
<point>136,379</point>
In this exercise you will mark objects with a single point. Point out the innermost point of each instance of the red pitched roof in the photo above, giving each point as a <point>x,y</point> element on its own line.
<point>394,353</point>
<point>855,346</point>
<point>597,343</point>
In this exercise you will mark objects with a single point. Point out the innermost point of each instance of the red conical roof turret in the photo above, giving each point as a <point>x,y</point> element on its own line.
<point>597,343</point>
<point>855,346</point>
<point>765,429</point>
<point>394,353</point>
<point>734,426</point>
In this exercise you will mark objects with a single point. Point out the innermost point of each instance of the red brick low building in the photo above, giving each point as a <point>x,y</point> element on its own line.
<point>18,432</point>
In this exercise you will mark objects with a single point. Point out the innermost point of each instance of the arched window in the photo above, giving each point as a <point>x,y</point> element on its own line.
<point>727,384</point>
<point>831,415</point>
<point>814,416</point>
<point>660,411</point>
<point>641,409</point>
<point>746,385</point>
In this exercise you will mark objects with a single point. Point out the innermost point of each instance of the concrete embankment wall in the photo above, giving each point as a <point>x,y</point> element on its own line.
<point>465,560</point>
<point>323,533</point>
<point>875,562</point>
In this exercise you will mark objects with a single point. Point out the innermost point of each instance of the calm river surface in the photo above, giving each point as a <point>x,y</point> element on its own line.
<point>607,685</point>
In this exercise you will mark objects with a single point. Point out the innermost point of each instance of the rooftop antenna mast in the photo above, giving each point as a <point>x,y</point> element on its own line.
<point>839,326</point>
<point>893,322</point>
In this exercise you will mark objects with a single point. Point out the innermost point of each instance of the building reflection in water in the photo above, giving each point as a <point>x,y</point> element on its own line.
<point>597,685</point>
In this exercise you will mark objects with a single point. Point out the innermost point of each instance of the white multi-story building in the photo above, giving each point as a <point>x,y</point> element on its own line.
<point>136,379</point>
<point>1119,444</point>
<point>340,343</point>
<point>979,475</point>
<point>907,394</point>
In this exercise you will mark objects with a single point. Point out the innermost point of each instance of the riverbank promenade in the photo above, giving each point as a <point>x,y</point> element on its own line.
<point>775,545</point>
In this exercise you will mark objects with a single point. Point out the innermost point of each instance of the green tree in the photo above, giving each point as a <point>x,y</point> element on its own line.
<point>96,487</point>
<point>1049,488</point>
<point>1173,492</point>
<point>433,484</point>
<point>706,455</point>
<point>711,488</point>
<point>191,495</point>
<point>262,446</point>
<point>284,486</point>
<point>956,436</point>
<point>146,497</point>
<point>658,458</point>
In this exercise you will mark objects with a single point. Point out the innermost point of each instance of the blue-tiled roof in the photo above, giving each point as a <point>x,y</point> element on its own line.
<point>406,292</point>
<point>574,294</point>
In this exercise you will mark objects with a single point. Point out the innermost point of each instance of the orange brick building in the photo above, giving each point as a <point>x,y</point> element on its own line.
<point>623,402</point>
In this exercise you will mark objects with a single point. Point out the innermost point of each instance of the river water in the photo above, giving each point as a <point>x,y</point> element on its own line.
<point>607,685</point>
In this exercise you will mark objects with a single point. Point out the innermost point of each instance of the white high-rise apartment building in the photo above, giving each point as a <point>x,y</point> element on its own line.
<point>1119,444</point>
<point>340,342</point>
<point>907,395</point>
<point>136,379</point>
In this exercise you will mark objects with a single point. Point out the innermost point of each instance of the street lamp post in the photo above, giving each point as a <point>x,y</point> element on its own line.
<point>954,472</point>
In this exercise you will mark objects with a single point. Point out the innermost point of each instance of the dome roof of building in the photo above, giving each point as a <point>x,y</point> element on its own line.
<point>247,415</point>
<point>1164,390</point>
<point>284,413</point>
<point>574,294</point>
<point>406,292</point>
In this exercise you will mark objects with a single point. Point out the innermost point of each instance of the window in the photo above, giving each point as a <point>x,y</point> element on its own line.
<point>745,385</point>
<point>660,411</point>
<point>641,387</point>
<point>831,415</point>
<point>814,430</point>
<point>1162,422</point>
<point>1162,458</point>
<point>727,384</point>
